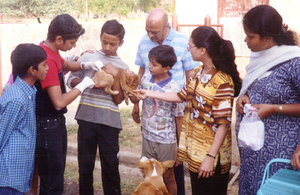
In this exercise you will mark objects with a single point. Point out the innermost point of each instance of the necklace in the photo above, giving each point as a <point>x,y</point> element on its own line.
<point>204,77</point>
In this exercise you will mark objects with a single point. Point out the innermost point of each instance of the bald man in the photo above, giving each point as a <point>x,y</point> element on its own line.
<point>159,32</point>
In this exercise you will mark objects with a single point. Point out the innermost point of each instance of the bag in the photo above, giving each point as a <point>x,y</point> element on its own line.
<point>252,130</point>
<point>284,181</point>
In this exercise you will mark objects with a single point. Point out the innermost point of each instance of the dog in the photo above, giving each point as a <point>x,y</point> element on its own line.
<point>153,171</point>
<point>128,81</point>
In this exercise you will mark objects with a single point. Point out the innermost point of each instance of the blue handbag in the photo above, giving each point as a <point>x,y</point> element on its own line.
<point>283,182</point>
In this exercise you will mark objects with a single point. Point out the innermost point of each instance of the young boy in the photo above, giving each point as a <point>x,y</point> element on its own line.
<point>98,115</point>
<point>18,120</point>
<point>160,119</point>
<point>52,99</point>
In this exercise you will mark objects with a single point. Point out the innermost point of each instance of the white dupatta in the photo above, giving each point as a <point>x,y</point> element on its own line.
<point>262,61</point>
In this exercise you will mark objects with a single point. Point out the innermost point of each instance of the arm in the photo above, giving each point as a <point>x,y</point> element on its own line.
<point>206,168</point>
<point>166,96</point>
<point>60,100</point>
<point>266,110</point>
<point>295,161</point>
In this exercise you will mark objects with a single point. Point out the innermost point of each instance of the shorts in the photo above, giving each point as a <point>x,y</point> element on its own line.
<point>159,151</point>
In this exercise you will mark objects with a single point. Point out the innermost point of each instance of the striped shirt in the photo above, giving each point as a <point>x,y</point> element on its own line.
<point>184,59</point>
<point>95,105</point>
<point>17,136</point>
<point>209,103</point>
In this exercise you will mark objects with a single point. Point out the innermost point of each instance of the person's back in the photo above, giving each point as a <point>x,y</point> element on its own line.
<point>17,119</point>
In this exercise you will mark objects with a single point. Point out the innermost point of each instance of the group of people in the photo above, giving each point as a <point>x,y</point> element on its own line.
<point>186,113</point>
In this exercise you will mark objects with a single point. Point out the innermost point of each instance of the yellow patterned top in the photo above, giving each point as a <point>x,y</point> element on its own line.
<point>209,103</point>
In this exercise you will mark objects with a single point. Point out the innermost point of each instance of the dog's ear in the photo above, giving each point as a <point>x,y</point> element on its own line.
<point>168,164</point>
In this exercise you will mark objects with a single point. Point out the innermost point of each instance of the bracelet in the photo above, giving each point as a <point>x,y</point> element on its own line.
<point>210,155</point>
<point>280,109</point>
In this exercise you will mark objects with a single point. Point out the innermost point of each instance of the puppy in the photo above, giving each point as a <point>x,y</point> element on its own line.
<point>153,172</point>
<point>128,82</point>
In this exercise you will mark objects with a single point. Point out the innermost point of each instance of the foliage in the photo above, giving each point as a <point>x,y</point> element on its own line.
<point>35,8</point>
<point>51,8</point>
<point>147,5</point>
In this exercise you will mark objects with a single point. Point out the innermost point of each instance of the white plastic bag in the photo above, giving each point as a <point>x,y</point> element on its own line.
<point>252,130</point>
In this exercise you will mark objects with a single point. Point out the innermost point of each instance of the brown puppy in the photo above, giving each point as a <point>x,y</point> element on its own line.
<point>153,172</point>
<point>128,82</point>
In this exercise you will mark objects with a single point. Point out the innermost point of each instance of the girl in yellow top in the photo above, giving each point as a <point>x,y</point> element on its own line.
<point>205,141</point>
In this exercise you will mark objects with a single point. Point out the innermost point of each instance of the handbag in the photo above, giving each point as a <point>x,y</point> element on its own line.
<point>252,130</point>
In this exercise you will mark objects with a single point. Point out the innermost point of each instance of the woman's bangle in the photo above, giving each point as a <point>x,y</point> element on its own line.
<point>210,155</point>
<point>280,109</point>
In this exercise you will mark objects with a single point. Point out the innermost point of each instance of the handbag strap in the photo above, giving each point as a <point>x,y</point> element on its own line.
<point>267,169</point>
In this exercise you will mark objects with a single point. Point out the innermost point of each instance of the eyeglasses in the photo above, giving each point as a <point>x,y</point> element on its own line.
<point>190,46</point>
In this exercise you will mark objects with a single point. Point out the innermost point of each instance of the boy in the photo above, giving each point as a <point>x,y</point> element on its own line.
<point>52,99</point>
<point>160,118</point>
<point>18,120</point>
<point>98,115</point>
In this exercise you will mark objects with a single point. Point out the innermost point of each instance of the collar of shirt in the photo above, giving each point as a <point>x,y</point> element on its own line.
<point>25,88</point>
<point>162,83</point>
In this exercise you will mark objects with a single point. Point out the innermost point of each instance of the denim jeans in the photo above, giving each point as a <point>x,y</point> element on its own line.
<point>51,150</point>
<point>91,135</point>
<point>10,191</point>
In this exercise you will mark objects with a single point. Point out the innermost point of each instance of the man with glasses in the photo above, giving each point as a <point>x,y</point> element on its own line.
<point>159,32</point>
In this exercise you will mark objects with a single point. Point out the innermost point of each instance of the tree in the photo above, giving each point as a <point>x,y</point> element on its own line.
<point>147,5</point>
<point>36,8</point>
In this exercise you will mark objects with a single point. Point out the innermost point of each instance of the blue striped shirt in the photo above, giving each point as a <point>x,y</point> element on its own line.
<point>17,136</point>
<point>184,59</point>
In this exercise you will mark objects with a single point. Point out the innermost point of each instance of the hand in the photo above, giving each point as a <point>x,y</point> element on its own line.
<point>295,161</point>
<point>241,102</point>
<point>265,110</point>
<point>87,82</point>
<point>141,94</point>
<point>97,65</point>
<point>111,69</point>
<point>207,167</point>
<point>177,163</point>
<point>136,113</point>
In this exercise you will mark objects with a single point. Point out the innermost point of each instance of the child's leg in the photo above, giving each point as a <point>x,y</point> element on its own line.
<point>169,179</point>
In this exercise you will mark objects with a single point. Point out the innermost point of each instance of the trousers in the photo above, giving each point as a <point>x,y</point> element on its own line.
<point>106,138</point>
<point>51,151</point>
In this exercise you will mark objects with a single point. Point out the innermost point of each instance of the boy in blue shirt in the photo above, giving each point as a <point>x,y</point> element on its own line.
<point>18,119</point>
<point>160,119</point>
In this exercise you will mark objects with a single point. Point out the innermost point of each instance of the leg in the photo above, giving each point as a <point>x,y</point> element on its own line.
<point>87,148</point>
<point>169,179</point>
<point>179,177</point>
<point>51,154</point>
<point>108,138</point>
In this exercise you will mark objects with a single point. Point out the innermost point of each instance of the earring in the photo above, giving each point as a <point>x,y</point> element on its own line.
<point>267,39</point>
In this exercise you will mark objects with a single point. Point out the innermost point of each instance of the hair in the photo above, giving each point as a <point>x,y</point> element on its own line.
<point>24,56</point>
<point>65,26</point>
<point>163,54</point>
<point>113,27</point>
<point>267,22</point>
<point>221,51</point>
